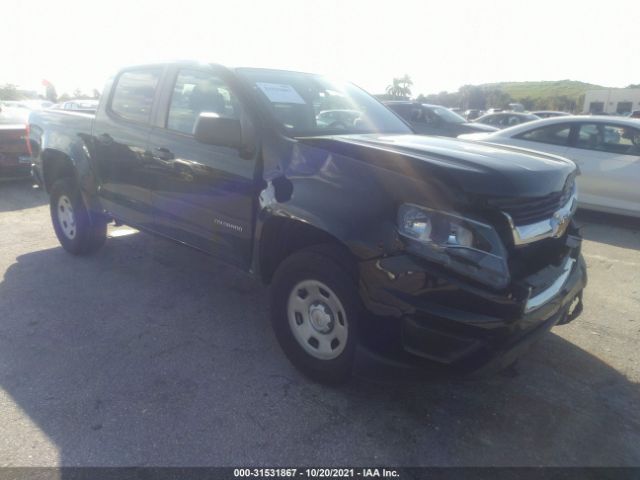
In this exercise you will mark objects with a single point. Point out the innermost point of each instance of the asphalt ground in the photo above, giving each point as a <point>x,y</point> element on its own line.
<point>149,353</point>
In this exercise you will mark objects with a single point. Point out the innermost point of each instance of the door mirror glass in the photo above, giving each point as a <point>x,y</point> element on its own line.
<point>212,129</point>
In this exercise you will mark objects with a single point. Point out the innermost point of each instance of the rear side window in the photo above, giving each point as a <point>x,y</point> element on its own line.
<point>491,120</point>
<point>134,92</point>
<point>195,92</point>
<point>609,138</point>
<point>552,134</point>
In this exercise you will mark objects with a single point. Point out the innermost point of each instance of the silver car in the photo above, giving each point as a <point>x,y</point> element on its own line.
<point>607,150</point>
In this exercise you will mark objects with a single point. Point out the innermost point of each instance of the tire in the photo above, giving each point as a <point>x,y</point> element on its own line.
<point>78,231</point>
<point>314,297</point>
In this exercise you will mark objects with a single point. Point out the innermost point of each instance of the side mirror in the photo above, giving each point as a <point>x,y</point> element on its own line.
<point>212,129</point>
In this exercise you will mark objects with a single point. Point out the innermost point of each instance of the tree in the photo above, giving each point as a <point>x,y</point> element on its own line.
<point>443,98</point>
<point>95,94</point>
<point>471,96</point>
<point>406,84</point>
<point>10,91</point>
<point>400,87</point>
<point>496,98</point>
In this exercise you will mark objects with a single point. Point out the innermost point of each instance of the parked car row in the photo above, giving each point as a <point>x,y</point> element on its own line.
<point>607,149</point>
<point>429,119</point>
<point>435,120</point>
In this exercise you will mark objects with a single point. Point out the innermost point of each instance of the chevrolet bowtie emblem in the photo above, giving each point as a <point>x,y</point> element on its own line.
<point>559,223</point>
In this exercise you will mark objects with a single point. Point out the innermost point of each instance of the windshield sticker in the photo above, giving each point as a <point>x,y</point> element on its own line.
<point>280,93</point>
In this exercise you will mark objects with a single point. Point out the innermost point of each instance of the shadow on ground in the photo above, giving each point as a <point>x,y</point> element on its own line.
<point>616,230</point>
<point>20,194</point>
<point>150,354</point>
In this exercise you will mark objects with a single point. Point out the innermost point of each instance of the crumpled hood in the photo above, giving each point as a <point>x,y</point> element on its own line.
<point>475,168</point>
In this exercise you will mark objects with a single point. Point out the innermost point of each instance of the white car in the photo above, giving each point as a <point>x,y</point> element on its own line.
<point>607,150</point>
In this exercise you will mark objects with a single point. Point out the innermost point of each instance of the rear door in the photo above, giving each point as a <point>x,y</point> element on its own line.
<point>608,155</point>
<point>203,195</point>
<point>120,133</point>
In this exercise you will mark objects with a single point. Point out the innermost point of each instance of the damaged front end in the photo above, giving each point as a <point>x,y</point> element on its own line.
<point>425,310</point>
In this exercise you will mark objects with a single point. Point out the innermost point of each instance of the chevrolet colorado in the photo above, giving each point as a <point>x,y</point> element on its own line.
<point>424,249</point>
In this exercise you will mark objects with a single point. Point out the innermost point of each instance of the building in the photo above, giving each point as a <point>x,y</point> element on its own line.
<point>614,101</point>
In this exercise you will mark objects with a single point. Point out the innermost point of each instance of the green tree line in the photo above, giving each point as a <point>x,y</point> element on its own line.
<point>9,91</point>
<point>481,97</point>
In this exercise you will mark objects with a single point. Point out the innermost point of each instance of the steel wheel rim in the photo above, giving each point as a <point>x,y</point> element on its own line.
<point>317,319</point>
<point>66,217</point>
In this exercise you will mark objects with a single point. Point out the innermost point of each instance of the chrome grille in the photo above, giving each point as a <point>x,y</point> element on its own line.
<point>525,211</point>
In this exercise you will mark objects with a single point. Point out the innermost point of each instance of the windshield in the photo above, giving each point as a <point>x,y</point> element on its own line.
<point>447,115</point>
<point>305,104</point>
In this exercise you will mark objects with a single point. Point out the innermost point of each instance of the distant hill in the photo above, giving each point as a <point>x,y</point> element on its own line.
<point>542,90</point>
<point>566,95</point>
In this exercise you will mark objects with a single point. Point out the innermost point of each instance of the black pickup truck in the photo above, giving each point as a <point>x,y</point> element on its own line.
<point>422,249</point>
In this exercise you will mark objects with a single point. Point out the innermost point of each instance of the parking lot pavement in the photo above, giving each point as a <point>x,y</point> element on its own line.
<point>149,353</point>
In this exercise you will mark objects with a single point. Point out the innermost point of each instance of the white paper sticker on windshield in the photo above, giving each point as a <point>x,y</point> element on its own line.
<point>280,93</point>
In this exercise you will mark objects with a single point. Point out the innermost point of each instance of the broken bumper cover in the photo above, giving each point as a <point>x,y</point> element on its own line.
<point>422,316</point>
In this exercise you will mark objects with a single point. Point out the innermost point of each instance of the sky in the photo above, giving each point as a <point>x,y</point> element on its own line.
<point>441,45</point>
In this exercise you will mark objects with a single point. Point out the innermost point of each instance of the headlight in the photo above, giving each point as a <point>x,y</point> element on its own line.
<point>466,246</point>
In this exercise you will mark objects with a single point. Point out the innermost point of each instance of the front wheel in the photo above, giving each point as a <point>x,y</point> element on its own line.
<point>78,231</point>
<point>315,309</point>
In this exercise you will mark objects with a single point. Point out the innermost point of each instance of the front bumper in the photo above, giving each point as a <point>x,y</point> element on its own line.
<point>422,315</point>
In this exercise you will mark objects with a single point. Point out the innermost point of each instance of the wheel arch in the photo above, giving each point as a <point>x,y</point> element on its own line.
<point>282,236</point>
<point>56,165</point>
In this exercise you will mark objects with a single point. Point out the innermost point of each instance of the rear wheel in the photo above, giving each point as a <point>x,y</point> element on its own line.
<point>78,231</point>
<point>315,307</point>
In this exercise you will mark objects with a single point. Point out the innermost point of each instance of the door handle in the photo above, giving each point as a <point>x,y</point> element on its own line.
<point>163,153</point>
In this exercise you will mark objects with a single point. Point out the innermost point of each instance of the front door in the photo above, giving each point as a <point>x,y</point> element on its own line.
<point>608,155</point>
<point>203,195</point>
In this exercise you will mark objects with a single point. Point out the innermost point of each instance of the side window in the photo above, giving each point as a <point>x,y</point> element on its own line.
<point>416,115</point>
<point>429,117</point>
<point>494,120</point>
<point>195,92</point>
<point>500,121</point>
<point>512,120</point>
<point>134,92</point>
<point>609,138</point>
<point>401,109</point>
<point>552,134</point>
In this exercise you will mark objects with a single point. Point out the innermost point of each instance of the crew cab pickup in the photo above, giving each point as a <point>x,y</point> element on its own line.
<point>424,249</point>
